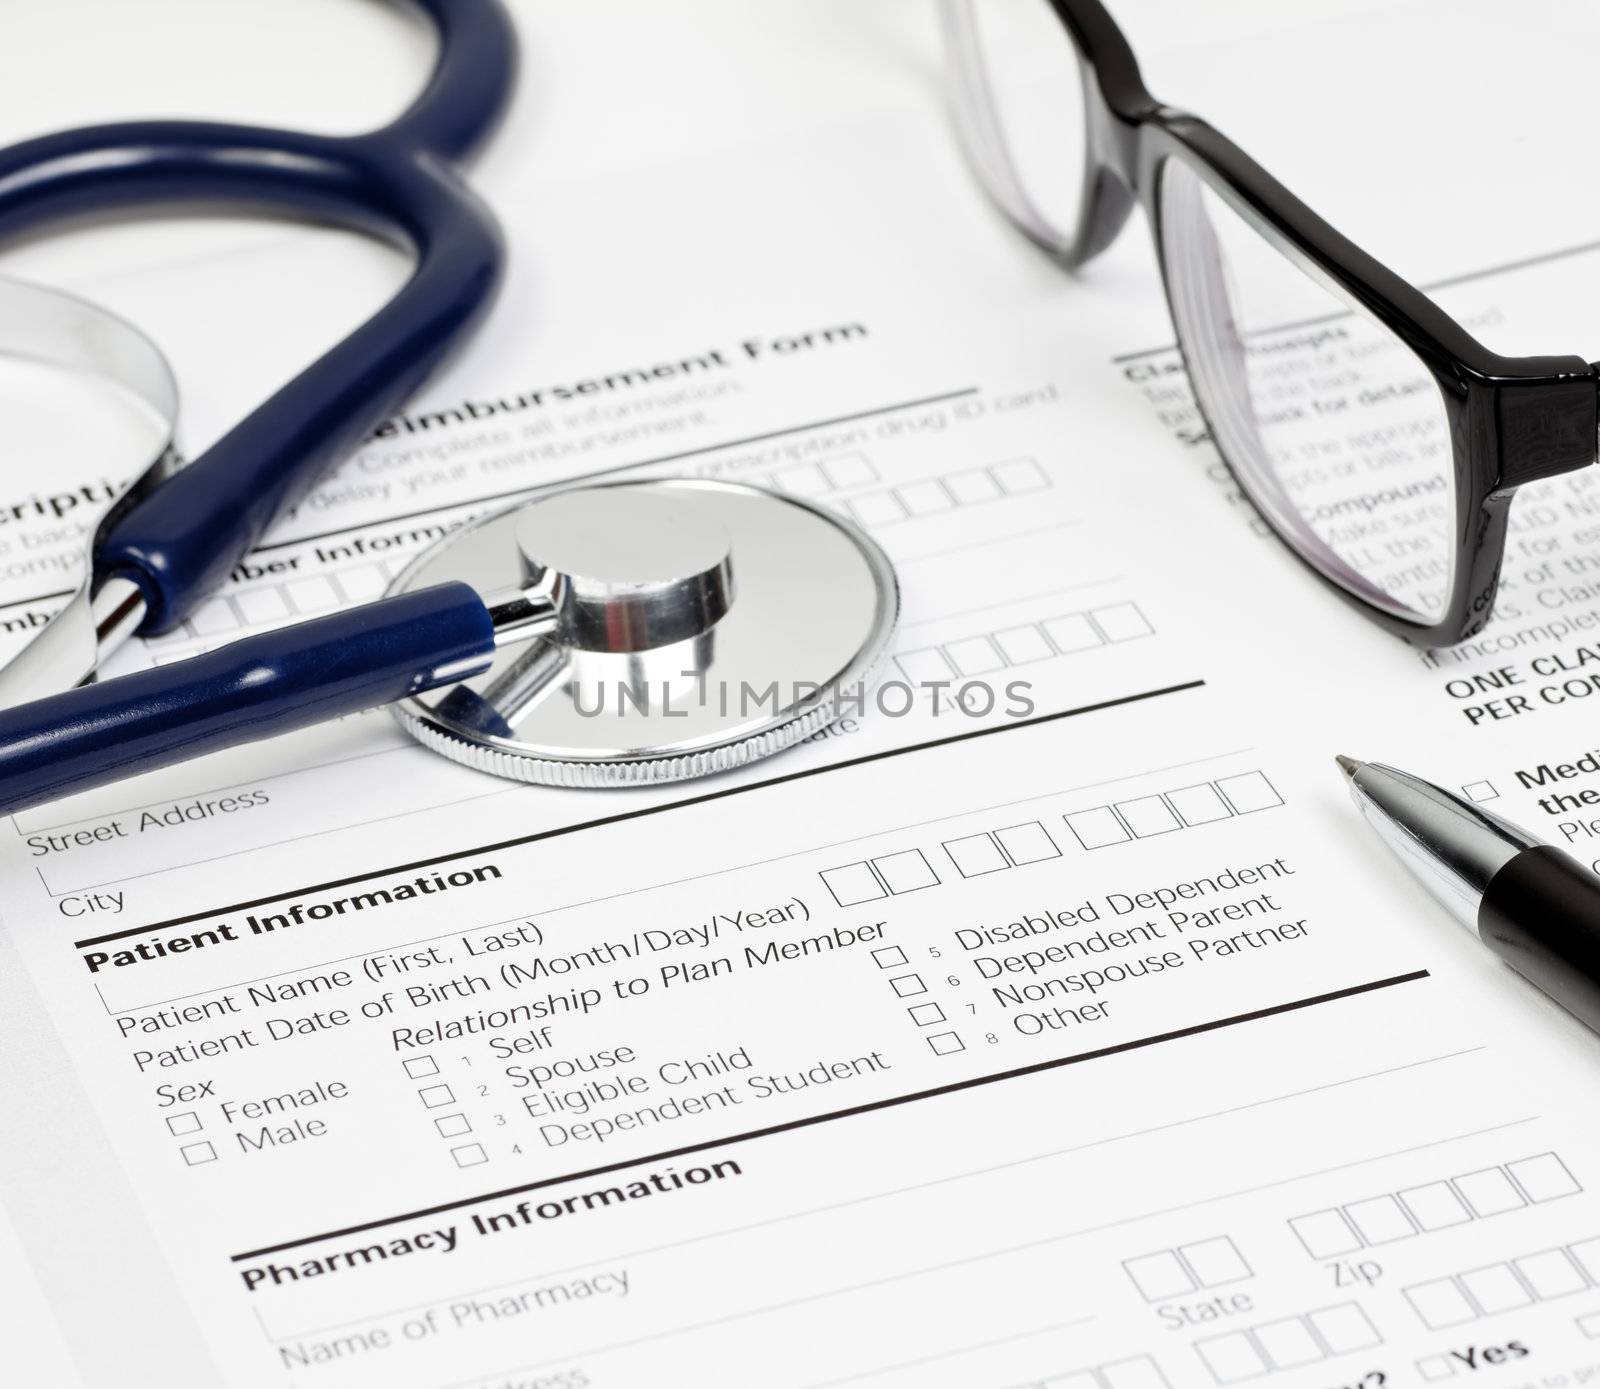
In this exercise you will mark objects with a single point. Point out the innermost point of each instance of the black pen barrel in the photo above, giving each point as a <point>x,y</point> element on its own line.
<point>1541,915</point>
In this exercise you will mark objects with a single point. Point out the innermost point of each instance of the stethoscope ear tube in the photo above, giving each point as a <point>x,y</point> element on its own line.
<point>48,326</point>
<point>400,182</point>
<point>254,688</point>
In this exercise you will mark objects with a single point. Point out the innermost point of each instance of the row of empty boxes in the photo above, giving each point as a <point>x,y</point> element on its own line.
<point>830,475</point>
<point>1137,1372</point>
<point>1434,1206</point>
<point>1019,646</point>
<point>262,606</point>
<point>910,871</point>
<point>1504,1287</point>
<point>934,495</point>
<point>1207,1263</point>
<point>1287,1343</point>
<point>1018,845</point>
<point>1181,808</point>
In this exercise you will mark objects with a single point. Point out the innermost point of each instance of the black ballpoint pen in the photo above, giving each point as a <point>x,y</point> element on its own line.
<point>1536,907</point>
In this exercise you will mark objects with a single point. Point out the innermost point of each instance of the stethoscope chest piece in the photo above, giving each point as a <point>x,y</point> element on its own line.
<point>653,631</point>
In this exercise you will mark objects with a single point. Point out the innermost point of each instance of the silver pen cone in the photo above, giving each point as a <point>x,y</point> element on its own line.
<point>1454,848</point>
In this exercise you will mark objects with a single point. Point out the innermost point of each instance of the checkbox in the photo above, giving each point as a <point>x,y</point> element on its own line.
<point>196,1153</point>
<point>1231,1357</point>
<point>1496,1288</point>
<point>1489,1192</point>
<point>924,498</point>
<point>853,884</point>
<point>1121,622</point>
<point>1097,828</point>
<point>1543,1178</point>
<point>262,605</point>
<point>1440,1303</point>
<point>1550,1274</point>
<point>1020,475</point>
<point>1215,1261</point>
<point>877,508</point>
<point>1380,1220</point>
<point>452,1125</point>
<point>1020,645</point>
<point>804,480</point>
<point>421,1067</point>
<point>849,470</point>
<point>469,1155</point>
<point>183,1123</point>
<point>1436,1367</point>
<point>1072,632</point>
<point>1344,1328</point>
<point>432,1096</point>
<point>363,583</point>
<point>1480,791</point>
<point>946,1043</point>
<point>1198,805</point>
<point>925,665</point>
<point>1435,1206</point>
<point>1159,1276</point>
<point>888,956</point>
<point>1249,791</point>
<point>1136,1372</point>
<point>1148,815</point>
<point>1288,1343</point>
<point>906,871</point>
<point>926,1014</point>
<point>973,485</point>
<point>1029,843</point>
<point>974,656</point>
<point>1587,1254</point>
<point>1325,1234</point>
<point>908,985</point>
<point>214,618</point>
<point>975,854</point>
<point>313,594</point>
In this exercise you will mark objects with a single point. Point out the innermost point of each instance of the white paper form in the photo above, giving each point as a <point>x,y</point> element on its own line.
<point>1097,1049</point>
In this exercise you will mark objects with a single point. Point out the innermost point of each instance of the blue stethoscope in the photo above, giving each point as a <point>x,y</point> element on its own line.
<point>507,646</point>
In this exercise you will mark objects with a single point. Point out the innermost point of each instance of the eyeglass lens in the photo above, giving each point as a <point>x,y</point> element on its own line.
<point>1025,110</point>
<point>1334,427</point>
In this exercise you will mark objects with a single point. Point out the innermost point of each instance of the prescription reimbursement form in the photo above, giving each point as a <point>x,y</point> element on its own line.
<point>1075,1037</point>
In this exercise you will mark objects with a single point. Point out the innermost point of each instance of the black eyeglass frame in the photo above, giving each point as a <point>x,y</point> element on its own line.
<point>1512,420</point>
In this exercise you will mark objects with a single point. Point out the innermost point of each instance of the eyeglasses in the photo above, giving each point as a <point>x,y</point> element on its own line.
<point>1377,437</point>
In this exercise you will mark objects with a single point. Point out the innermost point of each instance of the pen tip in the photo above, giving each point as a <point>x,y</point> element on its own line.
<point>1348,764</point>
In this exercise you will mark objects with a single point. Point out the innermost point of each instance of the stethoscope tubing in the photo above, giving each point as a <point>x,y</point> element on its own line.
<point>177,542</point>
<point>400,182</point>
<point>256,687</point>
